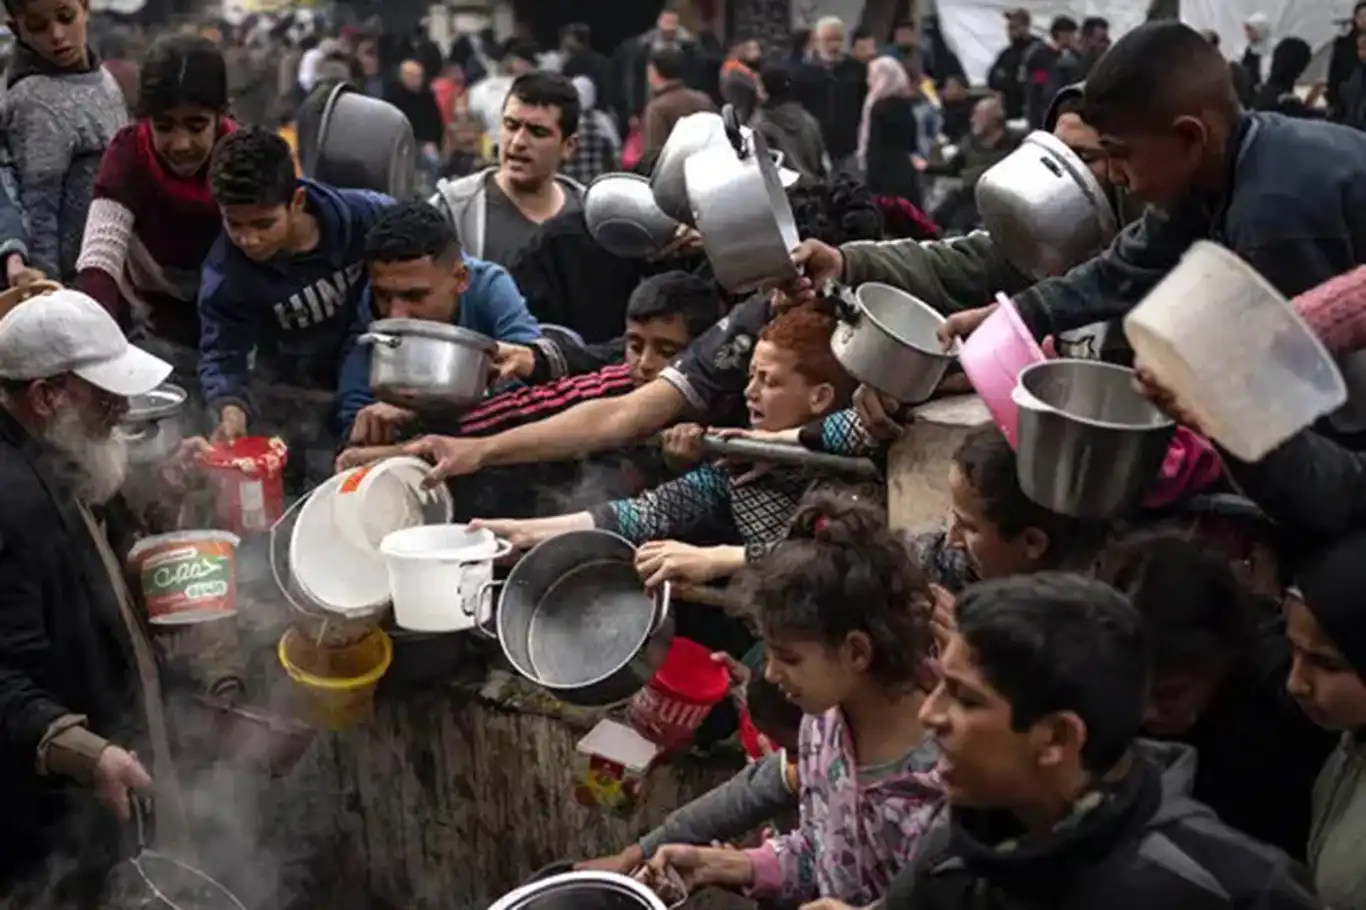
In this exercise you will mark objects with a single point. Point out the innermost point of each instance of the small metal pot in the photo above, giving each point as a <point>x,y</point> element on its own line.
<point>428,365</point>
<point>888,339</point>
<point>154,425</point>
<point>364,143</point>
<point>574,618</point>
<point>1044,208</point>
<point>741,209</point>
<point>581,891</point>
<point>1089,446</point>
<point>623,218</point>
<point>690,135</point>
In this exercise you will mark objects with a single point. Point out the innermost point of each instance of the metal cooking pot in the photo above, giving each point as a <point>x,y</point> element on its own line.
<point>1044,208</point>
<point>154,424</point>
<point>427,365</point>
<point>574,618</point>
<point>1089,446</point>
<point>623,217</point>
<point>889,340</point>
<point>581,891</point>
<point>741,210</point>
<point>363,143</point>
<point>690,135</point>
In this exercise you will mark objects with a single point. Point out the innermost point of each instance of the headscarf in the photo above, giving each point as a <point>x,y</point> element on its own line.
<point>588,100</point>
<point>886,79</point>
<point>1260,25</point>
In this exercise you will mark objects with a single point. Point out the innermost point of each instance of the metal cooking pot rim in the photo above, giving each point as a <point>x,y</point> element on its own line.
<point>425,328</point>
<point>1164,423</point>
<point>163,401</point>
<point>1081,174</point>
<point>620,883</point>
<point>866,313</point>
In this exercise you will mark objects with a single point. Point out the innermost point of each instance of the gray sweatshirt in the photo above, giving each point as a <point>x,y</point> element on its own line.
<point>57,125</point>
<point>741,804</point>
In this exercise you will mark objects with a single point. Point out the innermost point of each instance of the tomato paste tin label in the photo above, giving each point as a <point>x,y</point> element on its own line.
<point>188,577</point>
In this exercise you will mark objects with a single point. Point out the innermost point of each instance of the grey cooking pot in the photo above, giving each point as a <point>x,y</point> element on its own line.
<point>741,209</point>
<point>1088,445</point>
<point>415,363</point>
<point>888,339</point>
<point>1044,208</point>
<point>154,424</point>
<point>581,891</point>
<point>690,135</point>
<point>363,143</point>
<point>623,218</point>
<point>573,617</point>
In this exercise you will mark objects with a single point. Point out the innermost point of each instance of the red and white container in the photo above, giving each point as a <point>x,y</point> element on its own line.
<point>249,481</point>
<point>682,693</point>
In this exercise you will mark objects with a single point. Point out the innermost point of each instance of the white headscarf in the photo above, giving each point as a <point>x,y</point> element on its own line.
<point>588,99</point>
<point>886,79</point>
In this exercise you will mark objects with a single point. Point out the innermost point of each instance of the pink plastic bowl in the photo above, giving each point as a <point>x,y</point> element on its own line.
<point>993,356</point>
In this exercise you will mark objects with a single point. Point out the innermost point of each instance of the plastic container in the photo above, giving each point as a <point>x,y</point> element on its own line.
<point>993,356</point>
<point>670,708</point>
<point>187,576</point>
<point>377,499</point>
<point>436,574</point>
<point>755,744</point>
<point>249,481</point>
<point>337,684</point>
<point>341,579</point>
<point>1234,352</point>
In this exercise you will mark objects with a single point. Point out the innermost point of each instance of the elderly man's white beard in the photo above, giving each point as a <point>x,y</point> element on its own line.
<point>96,466</point>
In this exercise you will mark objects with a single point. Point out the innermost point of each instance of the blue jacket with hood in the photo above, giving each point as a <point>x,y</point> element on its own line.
<point>299,314</point>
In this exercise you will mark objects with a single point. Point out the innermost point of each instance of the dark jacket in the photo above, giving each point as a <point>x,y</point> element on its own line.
<point>63,650</point>
<point>1351,103</point>
<point>792,130</point>
<point>1341,65</point>
<point>421,110</point>
<point>1009,75</point>
<point>1294,207</point>
<point>893,136</point>
<point>629,67</point>
<point>1146,845</point>
<point>834,95</point>
<point>670,105</point>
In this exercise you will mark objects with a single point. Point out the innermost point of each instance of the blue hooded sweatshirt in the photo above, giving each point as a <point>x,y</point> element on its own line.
<point>491,305</point>
<point>298,313</point>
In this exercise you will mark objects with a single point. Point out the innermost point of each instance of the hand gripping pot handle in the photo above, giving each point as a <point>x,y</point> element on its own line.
<point>377,338</point>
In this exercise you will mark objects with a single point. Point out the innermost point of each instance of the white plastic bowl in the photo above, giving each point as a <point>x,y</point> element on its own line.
<point>436,574</point>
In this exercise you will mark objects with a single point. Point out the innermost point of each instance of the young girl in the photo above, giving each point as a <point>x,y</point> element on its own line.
<point>843,612</point>
<point>153,220</point>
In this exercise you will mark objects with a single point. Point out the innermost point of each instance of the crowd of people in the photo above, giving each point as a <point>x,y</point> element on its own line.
<point>1018,708</point>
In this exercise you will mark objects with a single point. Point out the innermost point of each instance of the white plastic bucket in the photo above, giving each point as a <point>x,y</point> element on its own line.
<point>436,573</point>
<point>1234,352</point>
<point>386,496</point>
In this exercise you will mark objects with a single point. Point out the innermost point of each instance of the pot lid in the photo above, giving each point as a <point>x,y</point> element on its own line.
<point>425,328</point>
<point>1081,174</point>
<point>163,401</point>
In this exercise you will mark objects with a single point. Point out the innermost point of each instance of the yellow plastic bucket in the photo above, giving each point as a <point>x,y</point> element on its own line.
<point>337,682</point>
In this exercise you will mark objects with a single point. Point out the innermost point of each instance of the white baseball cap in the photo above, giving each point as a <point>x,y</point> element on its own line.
<point>66,331</point>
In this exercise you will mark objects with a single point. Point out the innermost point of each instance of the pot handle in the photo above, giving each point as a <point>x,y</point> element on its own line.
<point>137,436</point>
<point>376,338</point>
<point>662,596</point>
<point>503,548</point>
<point>846,303</point>
<point>731,119</point>
<point>484,627</point>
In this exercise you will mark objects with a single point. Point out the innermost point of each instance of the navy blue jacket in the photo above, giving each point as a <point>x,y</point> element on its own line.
<point>299,314</point>
<point>1294,208</point>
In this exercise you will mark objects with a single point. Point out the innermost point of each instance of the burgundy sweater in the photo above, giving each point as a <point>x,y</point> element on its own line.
<point>146,237</point>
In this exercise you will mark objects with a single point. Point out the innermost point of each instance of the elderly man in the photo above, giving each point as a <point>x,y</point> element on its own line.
<point>831,84</point>
<point>78,684</point>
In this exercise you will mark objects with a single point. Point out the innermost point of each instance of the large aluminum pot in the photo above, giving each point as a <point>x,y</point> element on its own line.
<point>690,135</point>
<point>741,209</point>
<point>1089,446</point>
<point>889,340</point>
<point>1044,208</point>
<point>581,891</point>
<point>426,365</point>
<point>154,424</point>
<point>363,143</point>
<point>623,218</point>
<point>574,618</point>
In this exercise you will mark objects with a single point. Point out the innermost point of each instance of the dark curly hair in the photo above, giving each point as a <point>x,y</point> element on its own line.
<point>411,230</point>
<point>182,70</point>
<point>252,166</point>
<point>839,571</point>
<point>836,212</point>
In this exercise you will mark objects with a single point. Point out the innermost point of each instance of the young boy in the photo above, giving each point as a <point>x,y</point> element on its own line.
<point>284,281</point>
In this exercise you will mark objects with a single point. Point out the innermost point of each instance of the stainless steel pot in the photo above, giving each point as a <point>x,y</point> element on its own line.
<point>1044,208</point>
<point>154,425</point>
<point>741,210</point>
<point>1089,446</point>
<point>363,143</point>
<point>425,365</point>
<point>889,340</point>
<point>623,218</point>
<point>581,891</point>
<point>574,618</point>
<point>690,135</point>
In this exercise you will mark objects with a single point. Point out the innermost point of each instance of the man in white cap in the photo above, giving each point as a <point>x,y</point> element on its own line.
<point>74,665</point>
